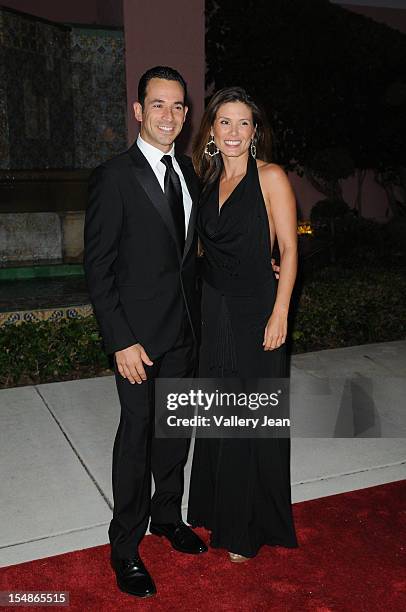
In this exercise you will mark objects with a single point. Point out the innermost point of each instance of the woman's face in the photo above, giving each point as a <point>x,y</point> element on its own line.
<point>233,129</point>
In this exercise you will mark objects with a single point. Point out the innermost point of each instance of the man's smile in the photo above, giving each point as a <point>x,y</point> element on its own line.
<point>165,128</point>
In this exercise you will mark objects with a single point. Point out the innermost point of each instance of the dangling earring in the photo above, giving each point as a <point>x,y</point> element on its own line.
<point>253,149</point>
<point>211,142</point>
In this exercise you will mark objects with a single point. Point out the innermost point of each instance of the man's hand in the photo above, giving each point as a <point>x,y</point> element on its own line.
<point>130,363</point>
<point>275,268</point>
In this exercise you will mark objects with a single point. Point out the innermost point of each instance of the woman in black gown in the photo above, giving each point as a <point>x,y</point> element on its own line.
<point>240,488</point>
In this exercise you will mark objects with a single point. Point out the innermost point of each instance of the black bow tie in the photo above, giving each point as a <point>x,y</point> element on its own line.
<point>173,192</point>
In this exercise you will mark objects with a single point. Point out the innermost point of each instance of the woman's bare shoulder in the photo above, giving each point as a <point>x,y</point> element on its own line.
<point>271,173</point>
<point>270,169</point>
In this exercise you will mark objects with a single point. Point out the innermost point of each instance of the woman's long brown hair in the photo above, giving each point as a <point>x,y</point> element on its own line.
<point>209,168</point>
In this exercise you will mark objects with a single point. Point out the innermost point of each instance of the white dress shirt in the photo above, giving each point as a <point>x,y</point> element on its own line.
<point>154,157</point>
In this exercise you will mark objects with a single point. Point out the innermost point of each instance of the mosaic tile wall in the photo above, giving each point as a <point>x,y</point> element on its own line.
<point>62,94</point>
<point>4,138</point>
<point>99,95</point>
<point>37,77</point>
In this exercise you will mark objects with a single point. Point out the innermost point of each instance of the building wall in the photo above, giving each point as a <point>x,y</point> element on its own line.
<point>38,102</point>
<point>99,95</point>
<point>101,12</point>
<point>4,135</point>
<point>64,102</point>
<point>170,34</point>
<point>374,201</point>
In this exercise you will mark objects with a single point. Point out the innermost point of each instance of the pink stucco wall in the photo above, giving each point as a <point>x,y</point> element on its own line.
<point>374,202</point>
<point>171,34</point>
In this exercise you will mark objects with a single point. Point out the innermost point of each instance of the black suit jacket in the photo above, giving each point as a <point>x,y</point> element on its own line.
<point>138,280</point>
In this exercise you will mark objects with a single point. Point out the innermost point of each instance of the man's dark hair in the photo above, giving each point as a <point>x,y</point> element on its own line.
<point>159,72</point>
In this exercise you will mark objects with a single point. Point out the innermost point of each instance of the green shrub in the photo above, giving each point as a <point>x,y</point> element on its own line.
<point>42,352</point>
<point>324,210</point>
<point>354,241</point>
<point>343,307</point>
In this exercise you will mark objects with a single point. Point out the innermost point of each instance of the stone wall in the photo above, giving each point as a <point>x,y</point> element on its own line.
<point>42,216</point>
<point>41,237</point>
<point>33,237</point>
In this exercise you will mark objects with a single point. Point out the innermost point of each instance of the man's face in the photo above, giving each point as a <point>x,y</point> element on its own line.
<point>163,113</point>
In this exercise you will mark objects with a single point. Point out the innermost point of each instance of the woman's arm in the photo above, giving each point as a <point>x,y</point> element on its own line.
<point>281,208</point>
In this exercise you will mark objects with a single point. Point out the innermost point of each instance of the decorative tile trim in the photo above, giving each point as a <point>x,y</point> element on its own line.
<point>49,314</point>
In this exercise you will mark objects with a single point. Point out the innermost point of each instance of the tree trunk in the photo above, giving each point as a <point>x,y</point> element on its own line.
<point>361,174</point>
<point>331,189</point>
<point>394,205</point>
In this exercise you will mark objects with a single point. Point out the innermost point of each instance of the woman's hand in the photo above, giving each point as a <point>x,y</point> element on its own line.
<point>275,331</point>
<point>200,250</point>
<point>275,268</point>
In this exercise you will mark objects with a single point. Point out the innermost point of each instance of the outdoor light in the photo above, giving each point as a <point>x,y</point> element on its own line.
<point>304,227</point>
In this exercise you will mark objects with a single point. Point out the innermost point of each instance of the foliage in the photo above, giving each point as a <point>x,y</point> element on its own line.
<point>341,307</point>
<point>328,209</point>
<point>326,168</point>
<point>33,353</point>
<point>353,241</point>
<point>330,80</point>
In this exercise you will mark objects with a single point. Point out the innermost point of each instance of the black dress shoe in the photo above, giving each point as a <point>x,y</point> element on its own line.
<point>180,536</point>
<point>133,577</point>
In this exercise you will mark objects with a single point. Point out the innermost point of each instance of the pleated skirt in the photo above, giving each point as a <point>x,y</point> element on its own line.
<point>240,488</point>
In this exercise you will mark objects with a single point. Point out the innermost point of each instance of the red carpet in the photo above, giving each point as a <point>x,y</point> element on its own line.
<point>349,559</point>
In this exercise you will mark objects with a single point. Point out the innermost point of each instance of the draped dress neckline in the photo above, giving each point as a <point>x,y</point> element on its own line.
<point>230,196</point>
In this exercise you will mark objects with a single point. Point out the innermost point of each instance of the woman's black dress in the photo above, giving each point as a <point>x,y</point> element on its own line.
<point>240,488</point>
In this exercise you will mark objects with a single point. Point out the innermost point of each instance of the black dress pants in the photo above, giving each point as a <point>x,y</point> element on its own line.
<point>137,453</point>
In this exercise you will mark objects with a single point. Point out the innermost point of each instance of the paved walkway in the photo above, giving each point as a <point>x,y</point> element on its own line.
<point>56,441</point>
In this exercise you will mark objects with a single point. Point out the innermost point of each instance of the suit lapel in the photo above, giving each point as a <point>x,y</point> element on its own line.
<point>148,181</point>
<point>193,188</point>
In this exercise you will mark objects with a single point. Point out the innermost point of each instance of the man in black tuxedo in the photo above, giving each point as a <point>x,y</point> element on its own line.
<point>140,257</point>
